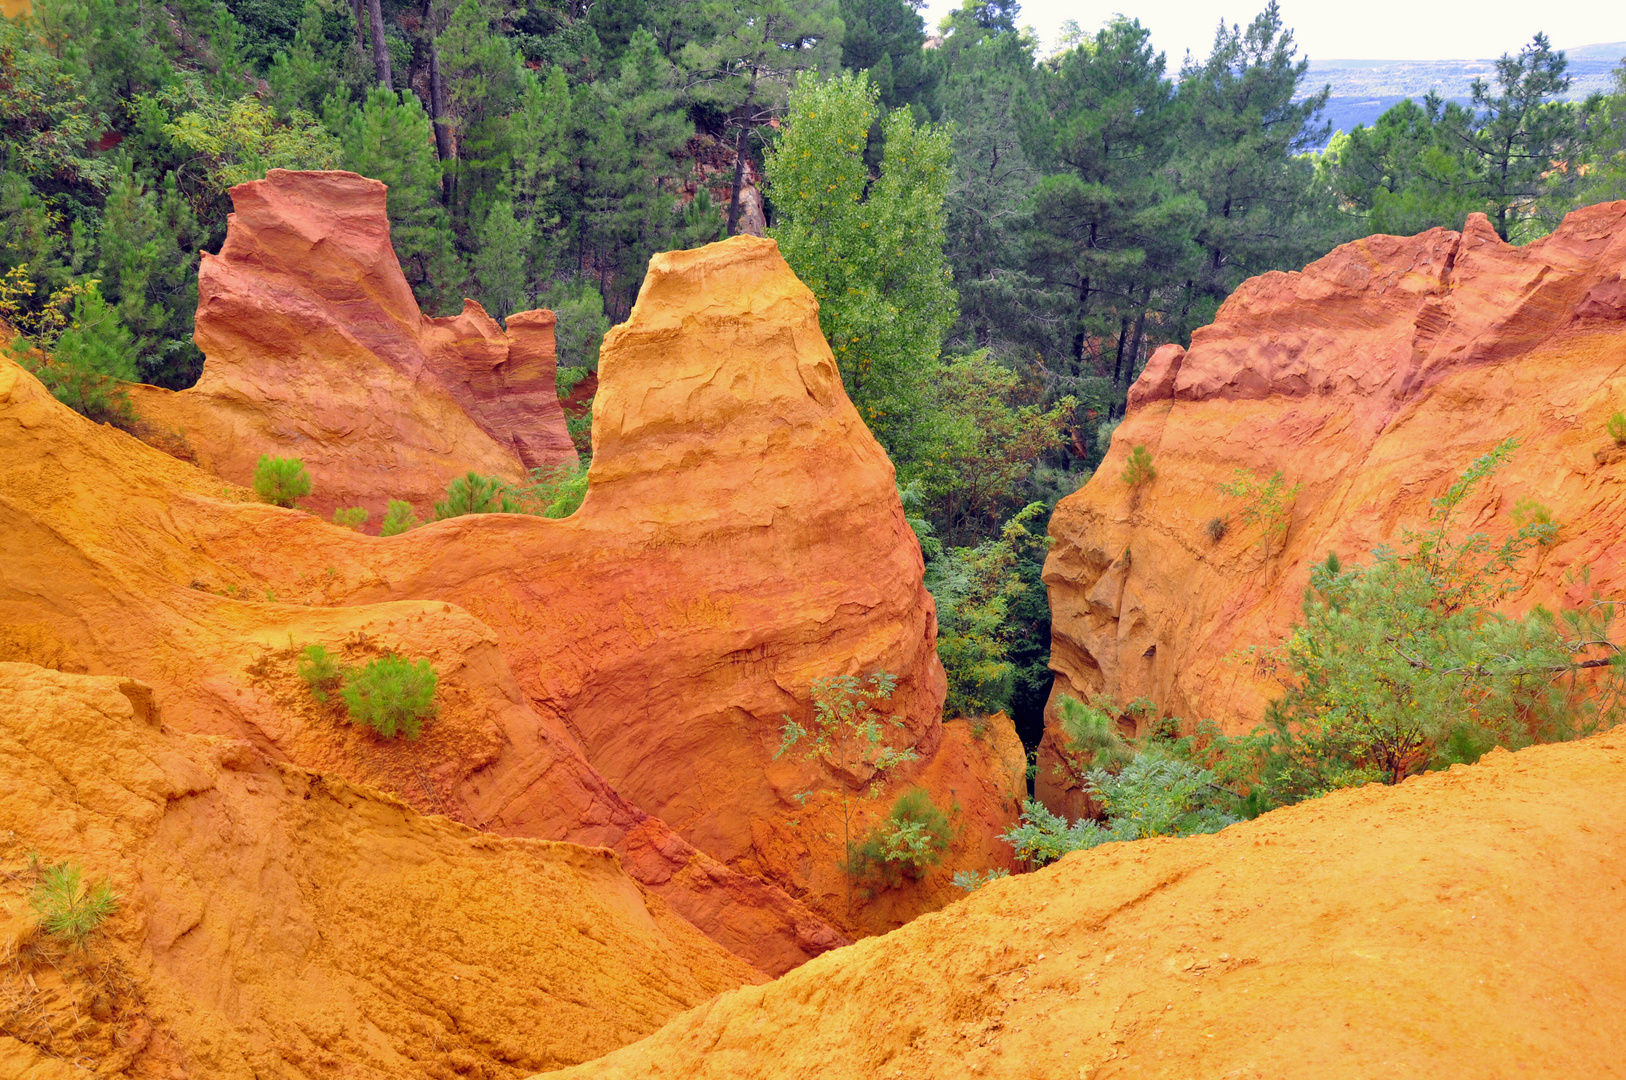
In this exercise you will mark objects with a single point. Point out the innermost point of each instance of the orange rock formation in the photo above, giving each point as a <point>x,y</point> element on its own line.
<point>277,922</point>
<point>618,677</point>
<point>1377,931</point>
<point>1372,379</point>
<point>315,348</point>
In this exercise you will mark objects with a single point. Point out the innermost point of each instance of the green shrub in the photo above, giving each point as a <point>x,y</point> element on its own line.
<point>1138,470</point>
<point>568,378</point>
<point>475,494</point>
<point>555,492</point>
<point>351,517</point>
<point>398,518</point>
<point>320,669</point>
<point>390,695</point>
<point>911,840</point>
<point>1616,426</point>
<point>1406,665</point>
<point>1267,503</point>
<point>972,880</point>
<point>68,908</point>
<point>1527,512</point>
<point>1155,794</point>
<point>1091,734</point>
<point>280,481</point>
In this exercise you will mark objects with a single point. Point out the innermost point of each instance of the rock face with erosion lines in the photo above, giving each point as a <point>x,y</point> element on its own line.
<point>619,677</point>
<point>1347,937</point>
<point>1371,380</point>
<point>275,922</point>
<point>315,348</point>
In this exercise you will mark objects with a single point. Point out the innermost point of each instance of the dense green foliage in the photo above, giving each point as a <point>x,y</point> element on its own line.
<point>281,481</point>
<point>1154,794</point>
<point>912,838</point>
<point>68,907</point>
<point>392,695</point>
<point>1514,152</point>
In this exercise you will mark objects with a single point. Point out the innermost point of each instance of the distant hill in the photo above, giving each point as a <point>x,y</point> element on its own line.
<point>1363,89</point>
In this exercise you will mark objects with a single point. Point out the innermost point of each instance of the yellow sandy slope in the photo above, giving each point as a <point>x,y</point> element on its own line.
<point>1464,924</point>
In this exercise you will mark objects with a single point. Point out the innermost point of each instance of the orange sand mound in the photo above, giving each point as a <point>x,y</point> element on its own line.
<point>275,922</point>
<point>1465,924</point>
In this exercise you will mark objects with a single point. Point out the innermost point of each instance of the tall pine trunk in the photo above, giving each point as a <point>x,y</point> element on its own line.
<point>381,52</point>
<point>739,156</point>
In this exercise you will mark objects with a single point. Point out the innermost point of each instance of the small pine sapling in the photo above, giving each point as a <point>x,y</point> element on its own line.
<point>320,670</point>
<point>398,518</point>
<point>68,907</point>
<point>391,695</point>
<point>1616,425</point>
<point>475,494</point>
<point>847,732</point>
<point>351,517</point>
<point>280,481</point>
<point>911,840</point>
<point>1139,470</point>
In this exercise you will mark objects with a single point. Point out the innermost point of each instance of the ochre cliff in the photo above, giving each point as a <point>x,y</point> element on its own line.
<point>1382,931</point>
<point>619,677</point>
<point>274,922</point>
<point>315,348</point>
<point>1371,379</point>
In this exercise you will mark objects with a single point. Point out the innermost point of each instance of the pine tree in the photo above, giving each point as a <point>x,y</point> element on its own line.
<point>500,262</point>
<point>150,278</point>
<point>389,138</point>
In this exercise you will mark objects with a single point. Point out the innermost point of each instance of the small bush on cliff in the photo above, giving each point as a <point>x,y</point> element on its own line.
<point>398,518</point>
<point>1138,470</point>
<point>472,493</point>
<point>911,840</point>
<point>391,695</point>
<point>568,379</point>
<point>351,517</point>
<point>847,734</point>
<point>1266,503</point>
<point>1616,426</point>
<point>280,481</point>
<point>1216,528</point>
<point>67,906</point>
<point>321,671</point>
<point>1527,511</point>
<point>1091,734</point>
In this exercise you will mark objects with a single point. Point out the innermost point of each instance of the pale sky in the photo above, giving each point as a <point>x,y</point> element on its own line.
<point>1336,30</point>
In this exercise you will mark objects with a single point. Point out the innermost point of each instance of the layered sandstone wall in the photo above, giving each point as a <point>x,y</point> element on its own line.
<point>1371,379</point>
<point>273,921</point>
<point>315,348</point>
<point>619,677</point>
